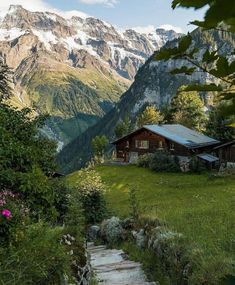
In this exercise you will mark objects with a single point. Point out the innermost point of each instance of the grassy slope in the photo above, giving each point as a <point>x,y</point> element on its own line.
<point>199,207</point>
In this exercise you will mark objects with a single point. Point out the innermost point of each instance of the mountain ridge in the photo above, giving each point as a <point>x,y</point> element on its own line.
<point>46,50</point>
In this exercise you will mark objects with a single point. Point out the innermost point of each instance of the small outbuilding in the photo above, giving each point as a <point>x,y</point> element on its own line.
<point>226,152</point>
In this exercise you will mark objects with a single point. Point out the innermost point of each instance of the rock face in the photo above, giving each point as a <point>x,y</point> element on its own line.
<point>52,54</point>
<point>112,267</point>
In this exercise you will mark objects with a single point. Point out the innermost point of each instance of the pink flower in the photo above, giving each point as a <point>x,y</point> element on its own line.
<point>6,213</point>
<point>2,202</point>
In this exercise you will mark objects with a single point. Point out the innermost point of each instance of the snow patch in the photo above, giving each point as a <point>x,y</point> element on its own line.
<point>9,35</point>
<point>145,30</point>
<point>46,37</point>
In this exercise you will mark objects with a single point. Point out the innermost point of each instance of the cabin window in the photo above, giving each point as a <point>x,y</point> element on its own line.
<point>142,144</point>
<point>127,144</point>
<point>160,144</point>
<point>172,146</point>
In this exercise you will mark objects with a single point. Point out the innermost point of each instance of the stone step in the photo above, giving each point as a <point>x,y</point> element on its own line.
<point>112,267</point>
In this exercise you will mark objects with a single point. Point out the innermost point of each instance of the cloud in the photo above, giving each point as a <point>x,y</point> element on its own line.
<point>151,29</point>
<point>170,27</point>
<point>35,5</point>
<point>107,3</point>
<point>38,5</point>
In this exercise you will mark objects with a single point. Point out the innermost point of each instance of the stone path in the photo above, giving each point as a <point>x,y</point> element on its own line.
<point>112,267</point>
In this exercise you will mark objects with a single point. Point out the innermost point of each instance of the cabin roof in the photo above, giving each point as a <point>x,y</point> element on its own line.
<point>179,134</point>
<point>227,144</point>
<point>208,157</point>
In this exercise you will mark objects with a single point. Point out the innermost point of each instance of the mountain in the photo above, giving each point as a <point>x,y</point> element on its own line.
<point>73,68</point>
<point>153,85</point>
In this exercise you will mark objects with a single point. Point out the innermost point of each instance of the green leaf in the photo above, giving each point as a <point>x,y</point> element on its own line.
<point>197,4</point>
<point>166,54</point>
<point>222,67</point>
<point>184,69</point>
<point>185,43</point>
<point>228,95</point>
<point>201,88</point>
<point>209,57</point>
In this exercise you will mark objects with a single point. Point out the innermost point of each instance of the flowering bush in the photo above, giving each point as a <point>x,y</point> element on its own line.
<point>91,192</point>
<point>13,216</point>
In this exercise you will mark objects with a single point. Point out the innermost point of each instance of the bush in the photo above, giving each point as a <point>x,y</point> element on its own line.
<point>91,195</point>
<point>160,161</point>
<point>144,160</point>
<point>38,259</point>
<point>196,165</point>
<point>112,230</point>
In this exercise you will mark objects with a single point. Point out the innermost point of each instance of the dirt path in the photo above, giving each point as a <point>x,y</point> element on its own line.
<point>112,267</point>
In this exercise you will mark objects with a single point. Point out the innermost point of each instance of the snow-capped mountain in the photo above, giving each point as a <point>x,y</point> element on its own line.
<point>124,51</point>
<point>72,67</point>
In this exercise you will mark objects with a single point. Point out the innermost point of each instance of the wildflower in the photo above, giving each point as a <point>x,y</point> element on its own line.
<point>2,202</point>
<point>6,213</point>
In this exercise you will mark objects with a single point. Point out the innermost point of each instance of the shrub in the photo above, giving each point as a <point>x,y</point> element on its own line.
<point>38,259</point>
<point>112,230</point>
<point>91,192</point>
<point>144,160</point>
<point>162,161</point>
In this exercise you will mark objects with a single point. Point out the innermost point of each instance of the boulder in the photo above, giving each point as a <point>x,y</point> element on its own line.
<point>93,233</point>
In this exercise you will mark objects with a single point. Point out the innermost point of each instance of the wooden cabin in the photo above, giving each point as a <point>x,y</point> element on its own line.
<point>176,139</point>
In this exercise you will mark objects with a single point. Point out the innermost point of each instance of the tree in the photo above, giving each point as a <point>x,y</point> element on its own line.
<point>150,116</point>
<point>91,191</point>
<point>220,15</point>
<point>5,81</point>
<point>99,144</point>
<point>188,109</point>
<point>218,125</point>
<point>123,128</point>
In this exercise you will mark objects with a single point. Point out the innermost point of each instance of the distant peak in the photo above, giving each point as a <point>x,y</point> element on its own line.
<point>14,8</point>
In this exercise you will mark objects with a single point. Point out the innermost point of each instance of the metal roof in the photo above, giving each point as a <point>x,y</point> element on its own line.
<point>208,157</point>
<point>182,135</point>
<point>231,143</point>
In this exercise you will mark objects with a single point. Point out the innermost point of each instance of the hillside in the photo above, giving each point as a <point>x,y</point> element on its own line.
<point>195,205</point>
<point>153,85</point>
<point>74,68</point>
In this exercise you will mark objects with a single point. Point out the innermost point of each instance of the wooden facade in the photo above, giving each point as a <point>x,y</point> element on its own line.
<point>226,152</point>
<point>144,141</point>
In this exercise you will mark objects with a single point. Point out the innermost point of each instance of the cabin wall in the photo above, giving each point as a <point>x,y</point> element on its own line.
<point>226,154</point>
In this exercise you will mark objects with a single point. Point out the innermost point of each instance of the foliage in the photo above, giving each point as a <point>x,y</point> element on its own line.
<point>5,81</point>
<point>112,230</point>
<point>99,144</point>
<point>211,61</point>
<point>134,205</point>
<point>91,192</point>
<point>160,161</point>
<point>144,160</point>
<point>123,128</point>
<point>149,116</point>
<point>188,109</point>
<point>217,11</point>
<point>27,158</point>
<point>39,258</point>
<point>218,125</point>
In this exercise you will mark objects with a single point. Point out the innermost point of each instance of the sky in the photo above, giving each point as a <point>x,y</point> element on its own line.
<point>121,13</point>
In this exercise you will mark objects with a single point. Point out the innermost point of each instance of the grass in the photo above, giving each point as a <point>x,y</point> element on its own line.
<point>201,208</point>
